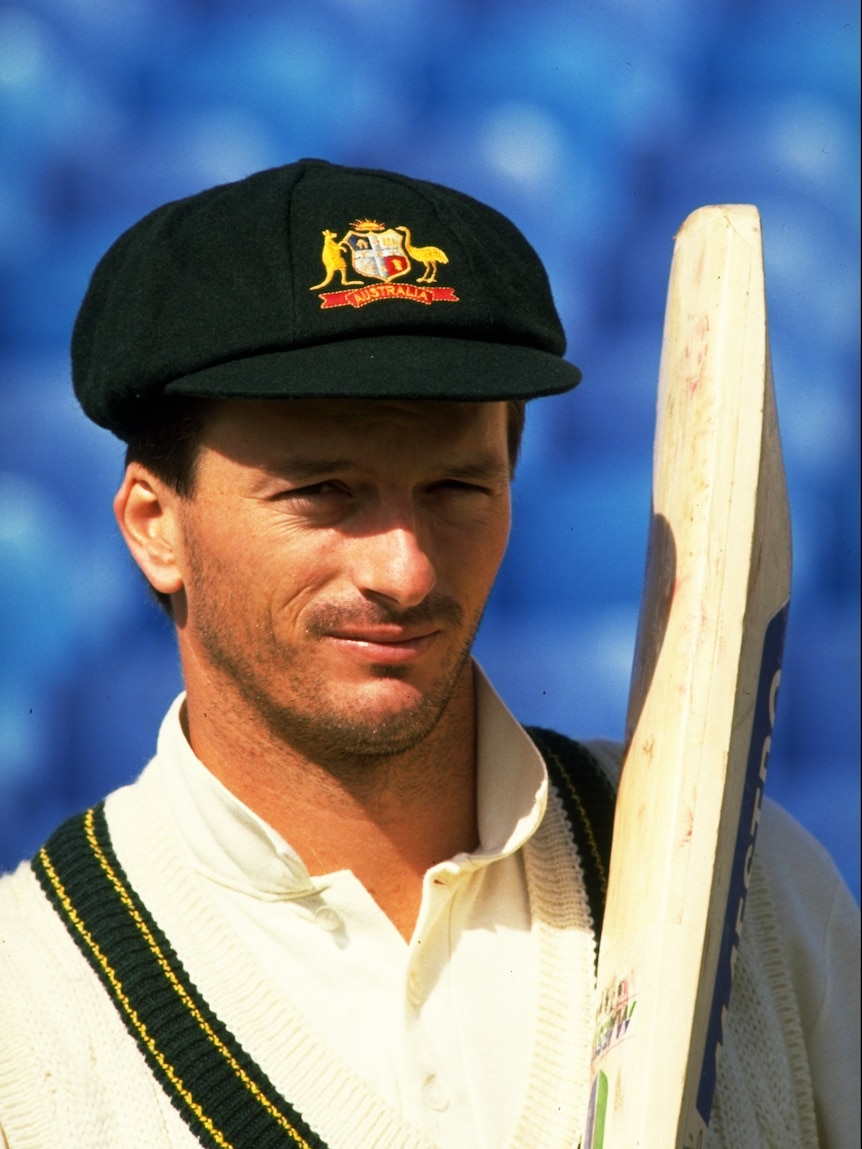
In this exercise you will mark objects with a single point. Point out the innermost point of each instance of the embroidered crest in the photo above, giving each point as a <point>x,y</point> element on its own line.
<point>383,255</point>
<point>376,251</point>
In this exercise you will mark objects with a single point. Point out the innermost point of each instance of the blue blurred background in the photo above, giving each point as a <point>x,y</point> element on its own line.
<point>597,126</point>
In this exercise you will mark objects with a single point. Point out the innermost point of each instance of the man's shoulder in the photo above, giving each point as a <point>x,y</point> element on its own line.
<point>785,849</point>
<point>602,752</point>
<point>30,928</point>
<point>20,895</point>
<point>582,777</point>
<point>32,938</point>
<point>802,877</point>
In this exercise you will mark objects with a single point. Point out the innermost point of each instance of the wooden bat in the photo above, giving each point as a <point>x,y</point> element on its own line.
<point>702,701</point>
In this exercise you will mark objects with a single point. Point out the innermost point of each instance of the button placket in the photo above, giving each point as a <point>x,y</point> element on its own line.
<point>415,988</point>
<point>434,1093</point>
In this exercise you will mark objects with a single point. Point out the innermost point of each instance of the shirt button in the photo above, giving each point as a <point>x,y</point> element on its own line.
<point>435,1095</point>
<point>327,918</point>
<point>414,987</point>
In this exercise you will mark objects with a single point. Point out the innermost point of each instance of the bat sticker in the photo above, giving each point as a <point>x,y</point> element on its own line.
<point>749,819</point>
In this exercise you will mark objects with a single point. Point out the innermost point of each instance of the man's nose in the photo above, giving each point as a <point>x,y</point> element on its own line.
<point>393,562</point>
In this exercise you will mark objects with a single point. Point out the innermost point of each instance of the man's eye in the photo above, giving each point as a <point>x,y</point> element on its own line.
<point>323,489</point>
<point>459,486</point>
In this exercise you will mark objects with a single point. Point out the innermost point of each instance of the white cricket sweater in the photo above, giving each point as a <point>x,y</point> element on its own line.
<point>70,1075</point>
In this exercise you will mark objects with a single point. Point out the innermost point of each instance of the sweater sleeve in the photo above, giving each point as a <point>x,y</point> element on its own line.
<point>819,925</point>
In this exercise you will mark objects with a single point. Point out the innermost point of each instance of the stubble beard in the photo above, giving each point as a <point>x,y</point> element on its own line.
<point>339,735</point>
<point>343,737</point>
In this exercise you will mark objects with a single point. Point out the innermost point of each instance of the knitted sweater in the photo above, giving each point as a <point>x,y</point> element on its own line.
<point>70,1075</point>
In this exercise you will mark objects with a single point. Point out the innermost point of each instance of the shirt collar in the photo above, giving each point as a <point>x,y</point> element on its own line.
<point>232,845</point>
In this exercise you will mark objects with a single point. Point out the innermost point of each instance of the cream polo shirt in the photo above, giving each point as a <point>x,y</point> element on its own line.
<point>420,1022</point>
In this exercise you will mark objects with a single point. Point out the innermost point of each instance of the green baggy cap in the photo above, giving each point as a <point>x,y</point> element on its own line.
<point>314,280</point>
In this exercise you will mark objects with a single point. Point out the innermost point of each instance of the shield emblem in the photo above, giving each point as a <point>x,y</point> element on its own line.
<point>378,254</point>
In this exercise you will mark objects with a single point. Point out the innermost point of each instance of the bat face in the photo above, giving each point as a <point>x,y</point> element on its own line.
<point>702,702</point>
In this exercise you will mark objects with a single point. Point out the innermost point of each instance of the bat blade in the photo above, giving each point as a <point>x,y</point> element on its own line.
<point>702,699</point>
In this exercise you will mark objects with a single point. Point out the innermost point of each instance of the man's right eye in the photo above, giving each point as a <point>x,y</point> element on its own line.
<point>325,490</point>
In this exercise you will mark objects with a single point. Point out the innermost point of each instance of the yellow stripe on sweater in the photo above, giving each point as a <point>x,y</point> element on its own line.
<point>594,848</point>
<point>176,985</point>
<point>129,1009</point>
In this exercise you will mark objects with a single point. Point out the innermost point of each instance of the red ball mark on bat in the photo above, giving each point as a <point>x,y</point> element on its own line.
<point>700,331</point>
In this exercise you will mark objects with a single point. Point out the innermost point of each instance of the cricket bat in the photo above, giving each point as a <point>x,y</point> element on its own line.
<point>702,700</point>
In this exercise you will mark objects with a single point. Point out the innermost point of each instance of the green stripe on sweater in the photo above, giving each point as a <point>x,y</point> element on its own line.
<point>224,1097</point>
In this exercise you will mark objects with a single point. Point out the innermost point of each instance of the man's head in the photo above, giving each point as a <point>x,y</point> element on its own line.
<point>368,336</point>
<point>330,567</point>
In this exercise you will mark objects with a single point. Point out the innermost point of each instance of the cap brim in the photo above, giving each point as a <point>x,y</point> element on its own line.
<point>385,367</point>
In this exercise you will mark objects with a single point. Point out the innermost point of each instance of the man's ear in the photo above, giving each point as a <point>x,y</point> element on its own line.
<point>147,512</point>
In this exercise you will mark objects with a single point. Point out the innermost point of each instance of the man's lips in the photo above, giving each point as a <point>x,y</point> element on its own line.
<point>369,636</point>
<point>385,643</point>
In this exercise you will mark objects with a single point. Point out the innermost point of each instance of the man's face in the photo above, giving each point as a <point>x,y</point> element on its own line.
<point>337,559</point>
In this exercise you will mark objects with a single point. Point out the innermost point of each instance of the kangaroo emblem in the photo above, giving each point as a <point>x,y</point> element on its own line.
<point>334,263</point>
<point>386,259</point>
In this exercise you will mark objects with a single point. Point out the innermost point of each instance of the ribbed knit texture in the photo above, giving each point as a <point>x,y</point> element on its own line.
<point>556,1088</point>
<point>588,798</point>
<point>770,1084</point>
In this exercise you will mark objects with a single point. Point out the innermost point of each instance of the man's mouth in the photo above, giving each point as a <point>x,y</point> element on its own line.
<point>374,636</point>
<point>385,644</point>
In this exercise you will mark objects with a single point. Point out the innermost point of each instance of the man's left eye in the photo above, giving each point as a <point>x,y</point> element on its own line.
<point>459,486</point>
<point>326,488</point>
<point>323,488</point>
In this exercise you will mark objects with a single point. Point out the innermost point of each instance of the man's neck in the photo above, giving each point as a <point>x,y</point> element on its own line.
<point>387,819</point>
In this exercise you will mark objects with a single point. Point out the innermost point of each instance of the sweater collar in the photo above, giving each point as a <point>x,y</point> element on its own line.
<point>234,846</point>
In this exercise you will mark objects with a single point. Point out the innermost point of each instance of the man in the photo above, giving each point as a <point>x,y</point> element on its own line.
<point>350,902</point>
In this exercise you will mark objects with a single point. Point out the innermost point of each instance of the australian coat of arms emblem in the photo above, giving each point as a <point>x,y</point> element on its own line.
<point>383,256</point>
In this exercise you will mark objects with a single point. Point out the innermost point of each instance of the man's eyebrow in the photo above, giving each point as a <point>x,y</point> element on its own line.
<point>298,469</point>
<point>490,469</point>
<point>301,468</point>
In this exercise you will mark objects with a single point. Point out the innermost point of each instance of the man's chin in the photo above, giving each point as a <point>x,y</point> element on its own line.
<point>377,718</point>
<point>345,736</point>
<point>382,690</point>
